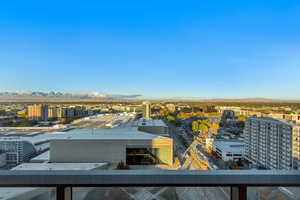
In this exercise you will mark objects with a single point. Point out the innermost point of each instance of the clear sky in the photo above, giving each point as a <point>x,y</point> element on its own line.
<point>157,48</point>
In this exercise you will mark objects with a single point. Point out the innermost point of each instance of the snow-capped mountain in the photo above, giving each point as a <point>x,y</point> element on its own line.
<point>53,94</point>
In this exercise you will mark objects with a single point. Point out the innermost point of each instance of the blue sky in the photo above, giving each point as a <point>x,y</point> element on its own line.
<point>213,49</point>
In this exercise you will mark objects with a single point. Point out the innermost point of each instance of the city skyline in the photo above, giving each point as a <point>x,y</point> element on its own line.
<point>19,95</point>
<point>154,49</point>
<point>139,100</point>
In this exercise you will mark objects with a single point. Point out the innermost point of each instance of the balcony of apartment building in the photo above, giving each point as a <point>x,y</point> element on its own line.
<point>149,184</point>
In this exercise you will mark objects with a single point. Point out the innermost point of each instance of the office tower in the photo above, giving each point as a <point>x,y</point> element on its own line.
<point>147,110</point>
<point>38,112</point>
<point>269,143</point>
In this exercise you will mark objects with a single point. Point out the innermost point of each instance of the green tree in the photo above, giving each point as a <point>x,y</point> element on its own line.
<point>171,118</point>
<point>214,127</point>
<point>241,117</point>
<point>195,125</point>
<point>203,128</point>
<point>164,112</point>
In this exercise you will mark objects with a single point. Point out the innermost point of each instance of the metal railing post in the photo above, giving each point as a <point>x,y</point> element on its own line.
<point>239,193</point>
<point>63,193</point>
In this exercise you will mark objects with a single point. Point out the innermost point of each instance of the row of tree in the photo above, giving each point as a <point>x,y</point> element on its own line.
<point>205,127</point>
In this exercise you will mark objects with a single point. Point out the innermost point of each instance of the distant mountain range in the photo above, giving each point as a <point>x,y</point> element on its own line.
<point>16,96</point>
<point>52,94</point>
<point>229,100</point>
<point>252,100</point>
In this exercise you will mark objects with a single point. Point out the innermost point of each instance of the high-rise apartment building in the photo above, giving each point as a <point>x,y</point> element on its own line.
<point>296,146</point>
<point>52,112</point>
<point>272,143</point>
<point>147,110</point>
<point>66,112</point>
<point>38,112</point>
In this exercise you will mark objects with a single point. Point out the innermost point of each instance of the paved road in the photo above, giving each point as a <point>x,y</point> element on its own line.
<point>179,148</point>
<point>194,193</point>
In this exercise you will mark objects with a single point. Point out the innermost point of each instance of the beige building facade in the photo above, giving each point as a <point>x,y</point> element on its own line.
<point>110,146</point>
<point>38,112</point>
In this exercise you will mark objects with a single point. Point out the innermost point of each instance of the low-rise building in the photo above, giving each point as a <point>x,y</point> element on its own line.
<point>229,149</point>
<point>157,127</point>
<point>2,159</point>
<point>112,146</point>
<point>209,141</point>
<point>17,150</point>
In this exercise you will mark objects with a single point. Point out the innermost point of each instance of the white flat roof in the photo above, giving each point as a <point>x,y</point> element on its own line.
<point>151,122</point>
<point>230,146</point>
<point>42,157</point>
<point>59,166</point>
<point>118,133</point>
<point>34,139</point>
<point>108,134</point>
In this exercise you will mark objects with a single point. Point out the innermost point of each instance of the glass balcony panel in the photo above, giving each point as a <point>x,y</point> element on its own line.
<point>262,193</point>
<point>152,193</point>
<point>16,193</point>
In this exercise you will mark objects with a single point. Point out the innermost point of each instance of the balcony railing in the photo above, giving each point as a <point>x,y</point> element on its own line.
<point>67,181</point>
